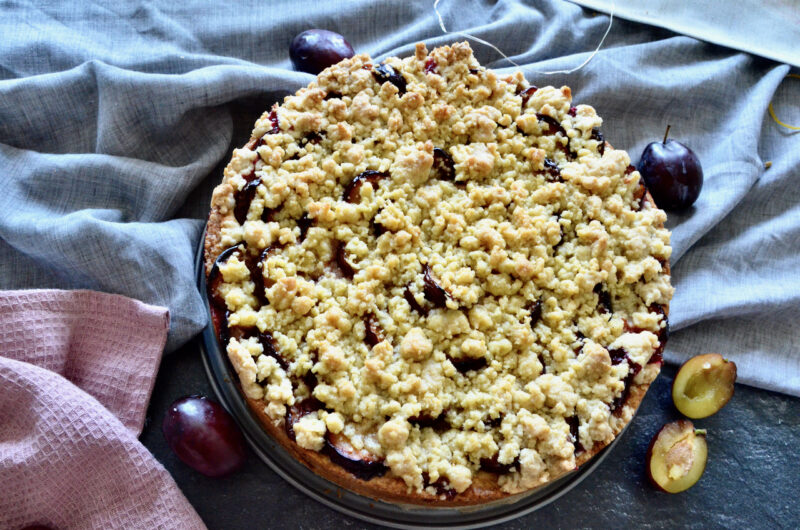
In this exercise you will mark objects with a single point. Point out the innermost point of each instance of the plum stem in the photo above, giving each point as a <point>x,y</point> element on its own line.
<point>666,134</point>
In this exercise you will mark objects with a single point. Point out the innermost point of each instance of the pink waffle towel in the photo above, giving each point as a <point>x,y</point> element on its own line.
<point>76,372</point>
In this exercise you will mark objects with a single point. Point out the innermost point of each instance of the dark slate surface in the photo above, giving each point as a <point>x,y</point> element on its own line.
<point>752,478</point>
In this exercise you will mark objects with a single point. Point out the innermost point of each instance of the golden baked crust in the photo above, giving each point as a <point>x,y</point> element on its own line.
<point>500,260</point>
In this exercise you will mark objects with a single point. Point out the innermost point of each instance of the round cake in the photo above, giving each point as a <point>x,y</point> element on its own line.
<point>437,285</point>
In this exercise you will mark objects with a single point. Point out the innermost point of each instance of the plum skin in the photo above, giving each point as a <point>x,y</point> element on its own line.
<point>703,385</point>
<point>204,436</point>
<point>314,50</point>
<point>671,443</point>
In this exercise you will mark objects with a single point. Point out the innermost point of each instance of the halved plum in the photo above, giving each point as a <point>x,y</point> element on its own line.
<point>703,385</point>
<point>677,456</point>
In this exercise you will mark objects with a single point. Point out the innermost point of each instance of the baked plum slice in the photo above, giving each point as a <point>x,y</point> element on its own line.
<point>443,166</point>
<point>268,344</point>
<point>342,264</point>
<point>276,128</point>
<point>574,434</point>
<point>619,401</point>
<point>430,66</point>
<point>359,462</point>
<point>351,191</point>
<point>243,198</point>
<point>424,419</point>
<point>373,334</point>
<point>603,299</point>
<point>412,301</point>
<point>597,135</point>
<point>617,355</point>
<point>384,72</point>
<point>468,364</point>
<point>663,335</point>
<point>703,385</point>
<point>255,266</point>
<point>677,456</point>
<point>434,293</point>
<point>214,278</point>
<point>553,126</point>
<point>440,485</point>
<point>493,465</point>
<point>552,173</point>
<point>536,313</point>
<point>526,94</point>
<point>304,223</point>
<point>376,228</point>
<point>297,411</point>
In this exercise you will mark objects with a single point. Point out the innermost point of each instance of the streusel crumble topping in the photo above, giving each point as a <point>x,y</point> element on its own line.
<point>440,270</point>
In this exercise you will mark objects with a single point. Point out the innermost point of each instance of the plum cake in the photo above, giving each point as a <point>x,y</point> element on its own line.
<point>437,284</point>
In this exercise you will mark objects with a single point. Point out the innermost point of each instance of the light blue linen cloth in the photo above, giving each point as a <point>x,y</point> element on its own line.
<point>116,119</point>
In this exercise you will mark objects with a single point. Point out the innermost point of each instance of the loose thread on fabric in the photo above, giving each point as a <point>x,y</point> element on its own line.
<point>775,117</point>
<point>509,59</point>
